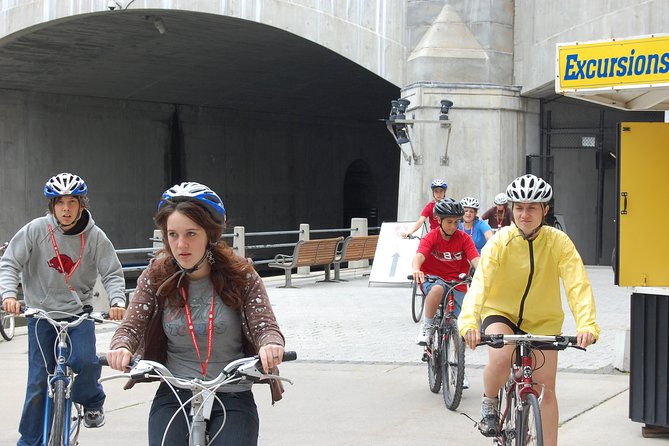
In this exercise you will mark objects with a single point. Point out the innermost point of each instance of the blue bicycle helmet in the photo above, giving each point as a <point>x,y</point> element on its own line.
<point>65,184</point>
<point>198,192</point>
<point>438,183</point>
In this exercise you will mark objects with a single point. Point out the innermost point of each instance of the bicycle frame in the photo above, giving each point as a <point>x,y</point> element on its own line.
<point>203,392</point>
<point>65,374</point>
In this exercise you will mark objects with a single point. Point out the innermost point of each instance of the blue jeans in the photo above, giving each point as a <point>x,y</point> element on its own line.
<point>241,426</point>
<point>458,295</point>
<point>83,361</point>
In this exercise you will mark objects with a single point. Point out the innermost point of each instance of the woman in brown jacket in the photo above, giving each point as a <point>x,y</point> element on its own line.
<point>197,307</point>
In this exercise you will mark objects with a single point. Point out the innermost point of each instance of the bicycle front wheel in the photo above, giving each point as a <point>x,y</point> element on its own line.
<point>7,325</point>
<point>452,365</point>
<point>56,434</point>
<point>529,425</point>
<point>417,302</point>
<point>76,417</point>
<point>434,360</point>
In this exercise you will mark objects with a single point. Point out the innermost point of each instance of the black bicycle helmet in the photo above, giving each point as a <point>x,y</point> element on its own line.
<point>448,207</point>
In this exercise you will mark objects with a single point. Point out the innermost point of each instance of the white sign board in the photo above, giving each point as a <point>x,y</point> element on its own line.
<point>392,260</point>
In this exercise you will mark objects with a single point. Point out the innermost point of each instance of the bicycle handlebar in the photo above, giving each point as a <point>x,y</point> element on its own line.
<point>538,342</point>
<point>241,369</point>
<point>462,279</point>
<point>88,314</point>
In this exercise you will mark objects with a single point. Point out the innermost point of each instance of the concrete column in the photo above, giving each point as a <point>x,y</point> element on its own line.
<point>239,240</point>
<point>157,239</point>
<point>304,235</point>
<point>492,129</point>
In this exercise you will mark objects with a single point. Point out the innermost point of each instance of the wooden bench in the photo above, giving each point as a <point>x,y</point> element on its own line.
<point>361,247</point>
<point>319,252</point>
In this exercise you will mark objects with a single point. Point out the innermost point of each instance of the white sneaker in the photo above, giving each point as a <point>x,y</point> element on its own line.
<point>465,383</point>
<point>423,335</point>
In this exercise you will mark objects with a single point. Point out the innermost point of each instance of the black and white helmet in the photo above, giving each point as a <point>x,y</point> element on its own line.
<point>65,184</point>
<point>529,189</point>
<point>198,193</point>
<point>501,199</point>
<point>470,202</point>
<point>448,207</point>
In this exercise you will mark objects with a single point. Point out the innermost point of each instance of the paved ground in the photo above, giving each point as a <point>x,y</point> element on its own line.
<point>359,379</point>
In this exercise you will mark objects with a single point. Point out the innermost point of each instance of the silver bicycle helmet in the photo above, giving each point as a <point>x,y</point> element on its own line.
<point>438,183</point>
<point>501,199</point>
<point>448,207</point>
<point>529,189</point>
<point>65,184</point>
<point>198,192</point>
<point>470,202</point>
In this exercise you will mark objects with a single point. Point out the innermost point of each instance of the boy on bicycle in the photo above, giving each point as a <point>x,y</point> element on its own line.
<point>445,252</point>
<point>57,259</point>
<point>438,188</point>
<point>516,290</point>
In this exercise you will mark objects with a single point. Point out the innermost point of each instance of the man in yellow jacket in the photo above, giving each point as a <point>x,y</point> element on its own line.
<point>516,289</point>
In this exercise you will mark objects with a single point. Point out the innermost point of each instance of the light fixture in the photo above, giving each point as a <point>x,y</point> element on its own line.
<point>400,127</point>
<point>445,107</point>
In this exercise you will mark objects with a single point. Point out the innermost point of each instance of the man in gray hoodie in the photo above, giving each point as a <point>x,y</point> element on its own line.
<point>57,258</point>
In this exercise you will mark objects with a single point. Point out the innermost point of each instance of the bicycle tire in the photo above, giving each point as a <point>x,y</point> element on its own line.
<point>7,325</point>
<point>417,302</point>
<point>57,431</point>
<point>529,431</point>
<point>506,408</point>
<point>452,365</point>
<point>434,360</point>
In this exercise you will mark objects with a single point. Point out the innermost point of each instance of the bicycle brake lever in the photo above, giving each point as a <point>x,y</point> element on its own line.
<point>277,377</point>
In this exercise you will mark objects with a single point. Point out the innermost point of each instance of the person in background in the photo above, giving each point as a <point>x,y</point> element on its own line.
<point>499,215</point>
<point>57,259</point>
<point>471,225</point>
<point>438,187</point>
<point>445,252</point>
<point>516,290</point>
<point>198,306</point>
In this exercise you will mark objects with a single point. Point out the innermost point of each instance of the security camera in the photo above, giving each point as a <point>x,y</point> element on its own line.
<point>112,5</point>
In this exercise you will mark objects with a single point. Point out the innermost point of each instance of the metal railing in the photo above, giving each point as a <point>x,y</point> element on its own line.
<point>238,242</point>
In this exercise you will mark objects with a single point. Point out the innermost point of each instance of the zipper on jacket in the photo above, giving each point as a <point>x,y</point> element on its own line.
<point>527,288</point>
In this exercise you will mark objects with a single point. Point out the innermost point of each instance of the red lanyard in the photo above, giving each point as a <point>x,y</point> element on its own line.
<point>210,330</point>
<point>500,220</point>
<point>66,274</point>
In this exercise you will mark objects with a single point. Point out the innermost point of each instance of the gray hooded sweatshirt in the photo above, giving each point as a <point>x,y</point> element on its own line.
<point>31,257</point>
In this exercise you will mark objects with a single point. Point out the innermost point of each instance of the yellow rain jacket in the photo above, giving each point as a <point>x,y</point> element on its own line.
<point>520,280</point>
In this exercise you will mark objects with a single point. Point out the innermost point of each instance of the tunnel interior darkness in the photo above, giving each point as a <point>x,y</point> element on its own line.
<point>267,118</point>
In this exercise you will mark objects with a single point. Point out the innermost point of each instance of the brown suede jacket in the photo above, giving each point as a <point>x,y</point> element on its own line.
<point>142,333</point>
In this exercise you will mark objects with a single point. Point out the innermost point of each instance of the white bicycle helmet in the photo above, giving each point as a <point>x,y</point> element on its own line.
<point>198,192</point>
<point>529,189</point>
<point>501,199</point>
<point>65,184</point>
<point>470,202</point>
<point>438,183</point>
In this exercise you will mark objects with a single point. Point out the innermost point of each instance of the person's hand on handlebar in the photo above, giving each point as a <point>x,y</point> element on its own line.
<point>584,339</point>
<point>270,356</point>
<point>119,359</point>
<point>11,305</point>
<point>116,313</point>
<point>419,276</point>
<point>472,338</point>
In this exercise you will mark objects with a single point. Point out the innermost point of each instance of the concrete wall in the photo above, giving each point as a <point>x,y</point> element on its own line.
<point>541,24</point>
<point>272,172</point>
<point>370,33</point>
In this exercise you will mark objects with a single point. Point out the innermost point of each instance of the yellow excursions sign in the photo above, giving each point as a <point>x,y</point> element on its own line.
<point>612,64</point>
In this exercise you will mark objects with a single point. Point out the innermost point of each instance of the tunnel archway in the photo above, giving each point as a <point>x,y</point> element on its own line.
<point>360,194</point>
